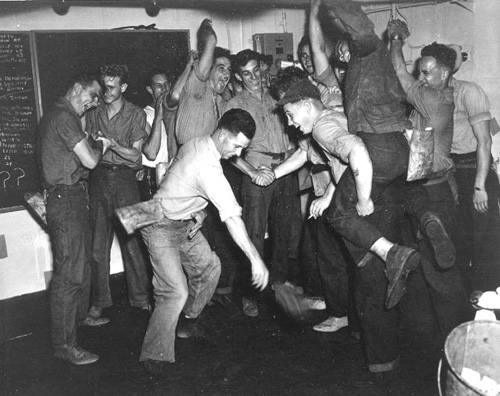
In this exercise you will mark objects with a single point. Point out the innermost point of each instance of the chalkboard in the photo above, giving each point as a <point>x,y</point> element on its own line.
<point>60,54</point>
<point>18,119</point>
<point>34,71</point>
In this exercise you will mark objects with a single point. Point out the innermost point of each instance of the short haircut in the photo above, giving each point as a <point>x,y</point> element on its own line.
<point>243,57</point>
<point>238,121</point>
<point>114,71</point>
<point>303,42</point>
<point>444,55</point>
<point>85,79</point>
<point>220,52</point>
<point>285,79</point>
<point>154,72</point>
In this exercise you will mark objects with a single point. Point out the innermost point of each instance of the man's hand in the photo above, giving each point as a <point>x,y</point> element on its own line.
<point>480,201</point>
<point>260,274</point>
<point>397,29</point>
<point>365,207</point>
<point>106,143</point>
<point>318,206</point>
<point>263,177</point>
<point>199,218</point>
<point>205,32</point>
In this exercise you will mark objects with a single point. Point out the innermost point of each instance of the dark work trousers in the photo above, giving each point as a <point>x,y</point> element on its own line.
<point>478,250</point>
<point>327,265</point>
<point>389,155</point>
<point>446,287</point>
<point>147,186</point>
<point>113,187</point>
<point>68,222</point>
<point>279,206</point>
<point>218,236</point>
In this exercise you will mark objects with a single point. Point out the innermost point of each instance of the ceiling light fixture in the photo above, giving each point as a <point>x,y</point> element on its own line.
<point>152,8</point>
<point>61,7</point>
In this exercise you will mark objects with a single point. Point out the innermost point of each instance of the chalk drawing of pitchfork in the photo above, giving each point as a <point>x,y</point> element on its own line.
<point>20,177</point>
<point>5,180</point>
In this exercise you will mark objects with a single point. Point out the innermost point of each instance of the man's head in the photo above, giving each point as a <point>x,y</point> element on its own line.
<point>302,104</point>
<point>83,91</point>
<point>220,73</point>
<point>285,79</point>
<point>436,65</point>
<point>246,65</point>
<point>157,83</point>
<point>305,55</point>
<point>114,79</point>
<point>234,131</point>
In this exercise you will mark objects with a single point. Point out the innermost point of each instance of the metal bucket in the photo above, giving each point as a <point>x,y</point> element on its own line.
<point>475,345</point>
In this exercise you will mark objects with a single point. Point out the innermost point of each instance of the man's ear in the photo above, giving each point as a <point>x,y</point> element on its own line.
<point>150,90</point>
<point>445,74</point>
<point>77,88</point>
<point>124,87</point>
<point>222,135</point>
<point>238,77</point>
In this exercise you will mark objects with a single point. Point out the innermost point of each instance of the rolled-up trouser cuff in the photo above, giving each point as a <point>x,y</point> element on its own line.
<point>383,367</point>
<point>224,290</point>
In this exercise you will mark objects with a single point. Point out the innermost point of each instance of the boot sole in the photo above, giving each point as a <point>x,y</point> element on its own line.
<point>444,251</point>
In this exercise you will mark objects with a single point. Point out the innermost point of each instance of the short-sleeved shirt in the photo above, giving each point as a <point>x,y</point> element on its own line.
<point>162,155</point>
<point>61,130</point>
<point>194,178</point>
<point>331,134</point>
<point>434,108</point>
<point>199,108</point>
<point>471,107</point>
<point>126,127</point>
<point>270,135</point>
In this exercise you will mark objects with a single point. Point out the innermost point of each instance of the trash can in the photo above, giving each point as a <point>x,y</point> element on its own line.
<point>475,345</point>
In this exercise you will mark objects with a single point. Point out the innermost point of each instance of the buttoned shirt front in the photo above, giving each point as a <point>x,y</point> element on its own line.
<point>126,127</point>
<point>270,135</point>
<point>61,131</point>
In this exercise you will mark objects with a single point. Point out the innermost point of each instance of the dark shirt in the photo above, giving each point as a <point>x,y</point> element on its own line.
<point>61,130</point>
<point>126,127</point>
<point>373,94</point>
<point>434,108</point>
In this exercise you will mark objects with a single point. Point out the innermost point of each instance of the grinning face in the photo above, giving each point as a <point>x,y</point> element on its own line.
<point>114,89</point>
<point>298,115</point>
<point>430,74</point>
<point>306,59</point>
<point>249,75</point>
<point>87,98</point>
<point>220,74</point>
<point>231,145</point>
<point>159,86</point>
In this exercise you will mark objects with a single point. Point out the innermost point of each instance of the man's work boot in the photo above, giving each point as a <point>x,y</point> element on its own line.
<point>444,250</point>
<point>400,261</point>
